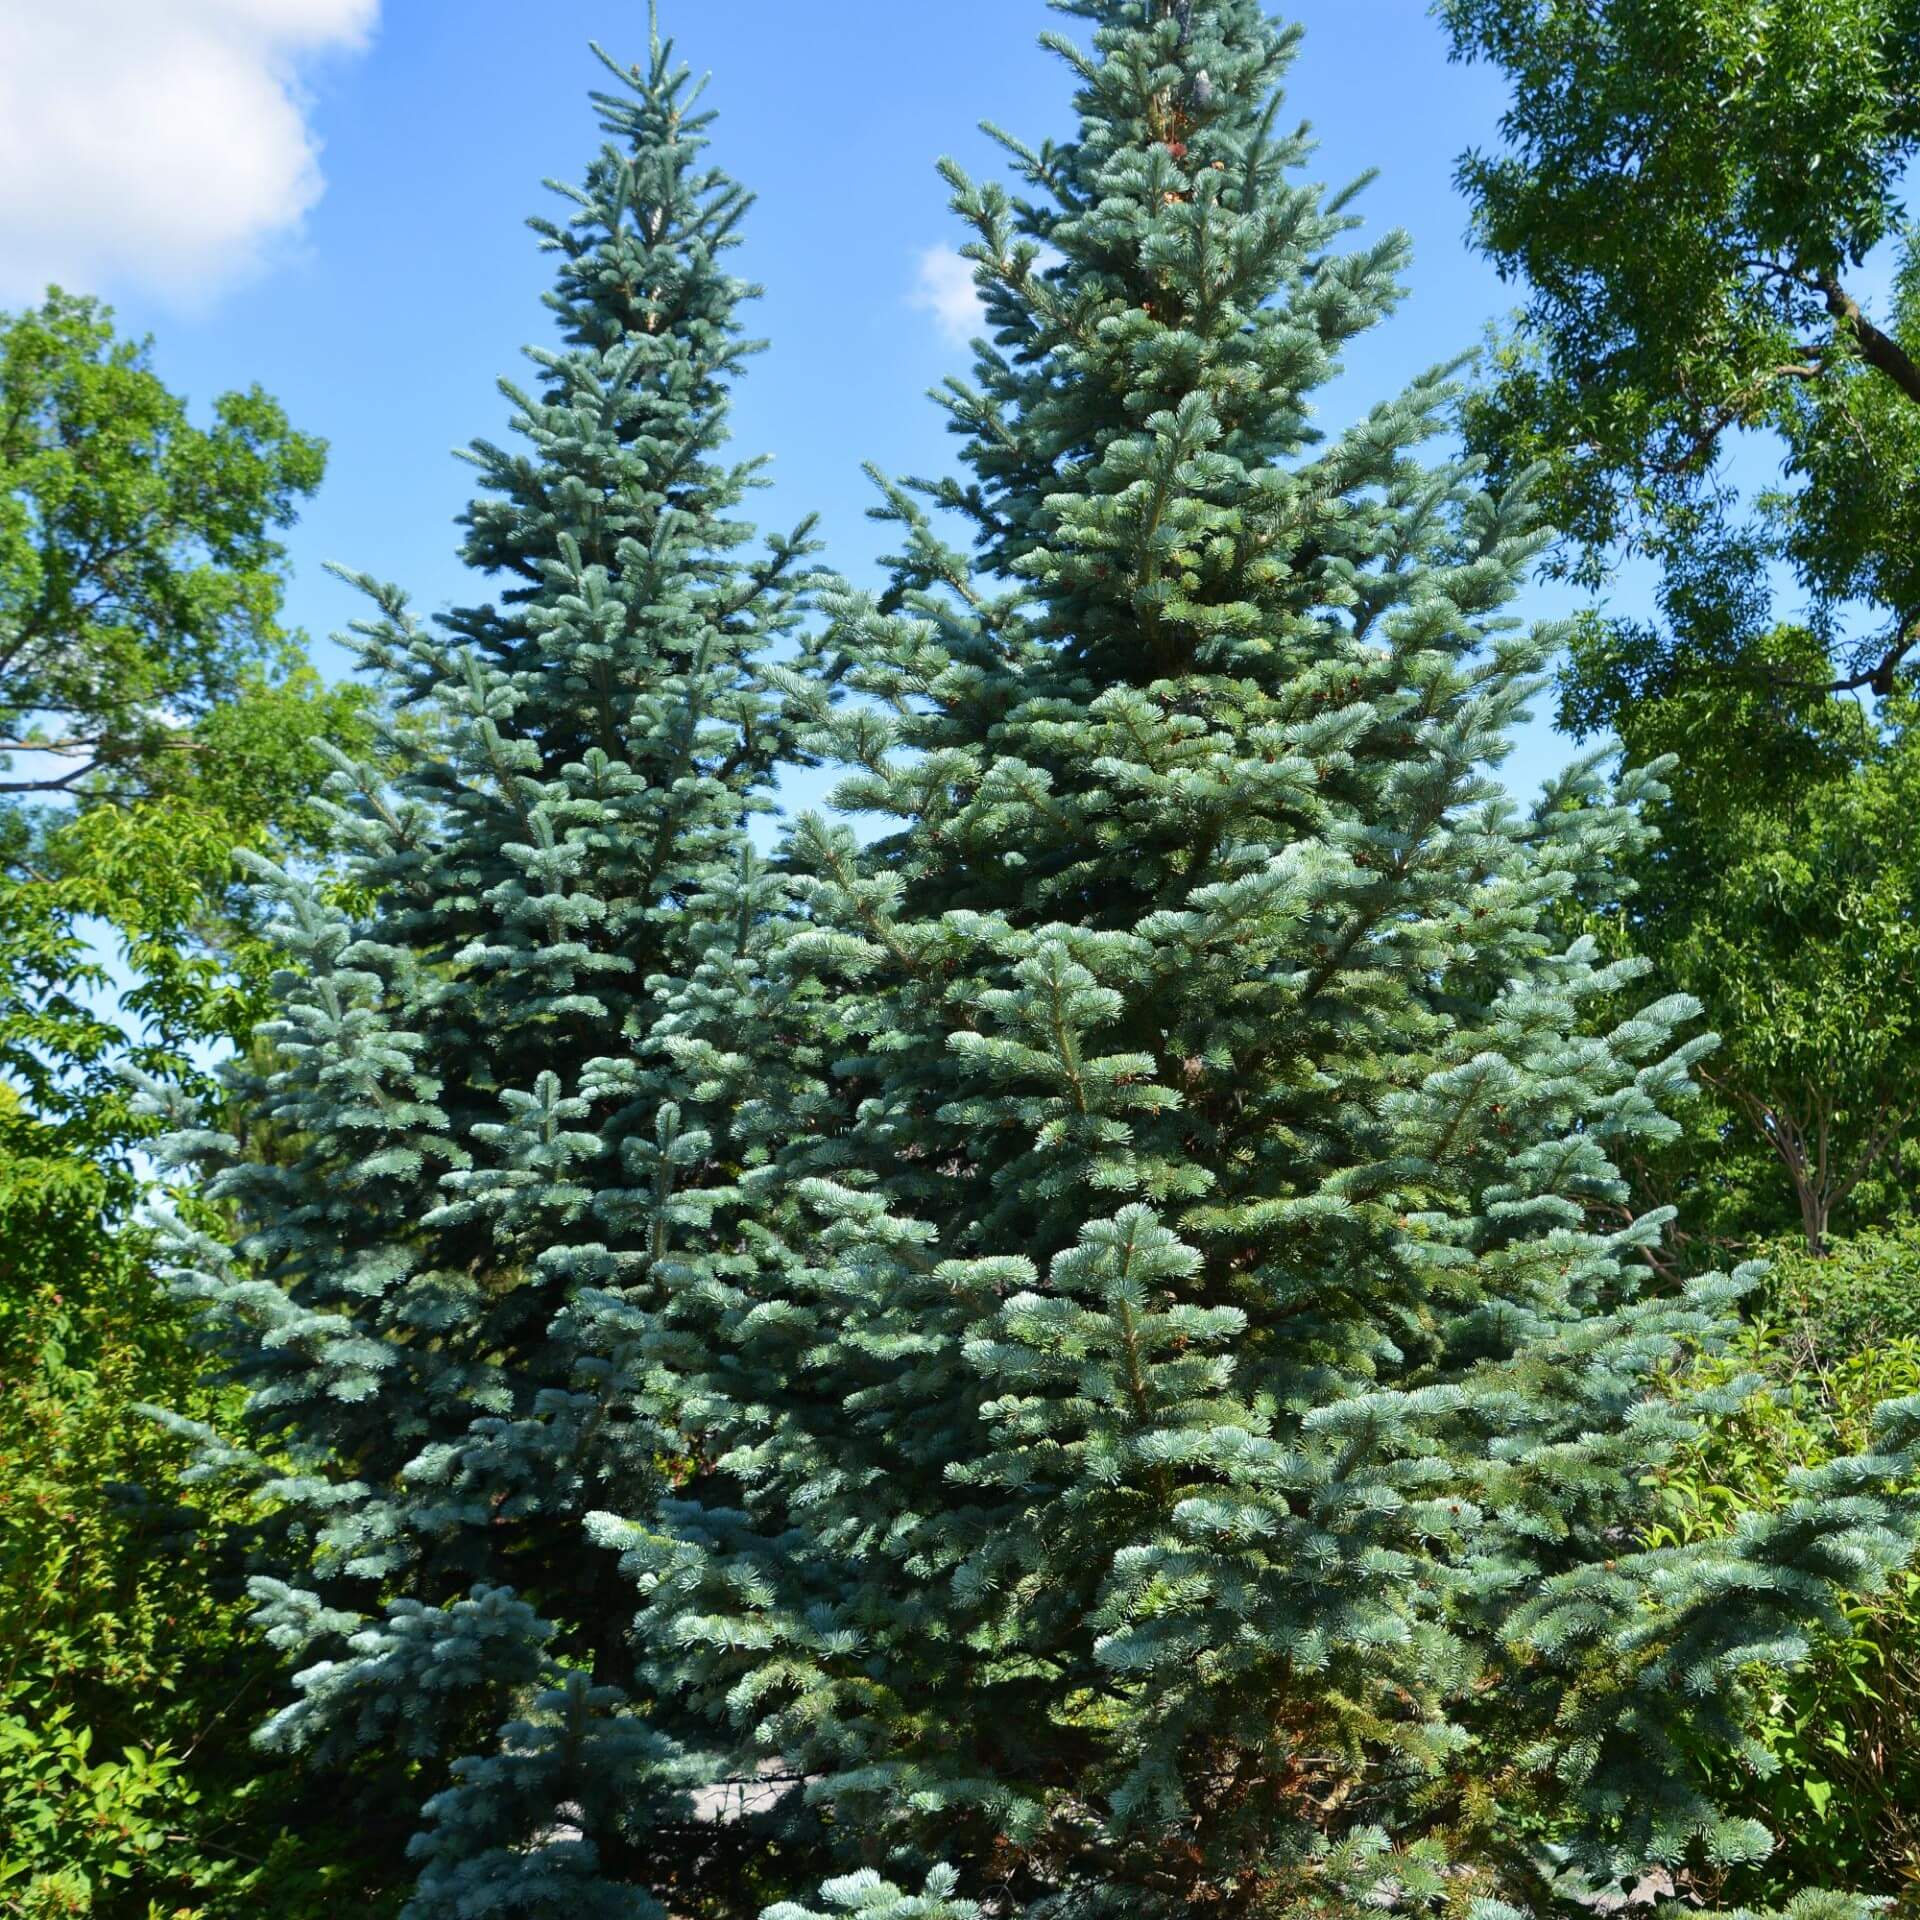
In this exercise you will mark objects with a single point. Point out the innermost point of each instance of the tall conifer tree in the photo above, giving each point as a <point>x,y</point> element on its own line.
<point>1231,1381</point>
<point>505,1079</point>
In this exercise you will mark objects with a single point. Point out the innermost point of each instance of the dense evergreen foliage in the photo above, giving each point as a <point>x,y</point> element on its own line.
<point>1240,1382</point>
<point>504,1116</point>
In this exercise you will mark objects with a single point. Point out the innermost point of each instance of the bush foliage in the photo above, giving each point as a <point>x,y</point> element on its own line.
<point>1835,1774</point>
<point>128,1785</point>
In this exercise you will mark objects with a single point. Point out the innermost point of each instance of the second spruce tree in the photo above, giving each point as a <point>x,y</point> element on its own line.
<point>486,1204</point>
<point>1234,1373</point>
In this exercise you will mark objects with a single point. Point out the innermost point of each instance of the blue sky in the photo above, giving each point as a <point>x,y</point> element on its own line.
<point>398,281</point>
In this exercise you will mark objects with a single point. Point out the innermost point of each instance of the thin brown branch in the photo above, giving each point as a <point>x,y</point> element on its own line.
<point>1879,350</point>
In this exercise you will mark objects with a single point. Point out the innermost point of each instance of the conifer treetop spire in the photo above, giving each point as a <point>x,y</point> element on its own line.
<point>1163,300</point>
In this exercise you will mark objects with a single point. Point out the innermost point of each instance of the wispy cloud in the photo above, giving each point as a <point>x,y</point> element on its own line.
<point>943,286</point>
<point>161,143</point>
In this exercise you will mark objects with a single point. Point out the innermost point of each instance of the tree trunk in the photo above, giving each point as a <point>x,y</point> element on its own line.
<point>1814,1209</point>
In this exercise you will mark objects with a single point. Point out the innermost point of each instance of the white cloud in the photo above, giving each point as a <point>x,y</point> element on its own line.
<point>159,142</point>
<point>943,286</point>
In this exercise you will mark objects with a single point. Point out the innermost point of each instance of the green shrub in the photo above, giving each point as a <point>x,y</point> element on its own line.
<point>1839,1786</point>
<point>1862,1290</point>
<point>128,1683</point>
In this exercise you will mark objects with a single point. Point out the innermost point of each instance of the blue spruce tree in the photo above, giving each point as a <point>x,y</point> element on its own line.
<point>492,1202</point>
<point>1228,1377</point>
